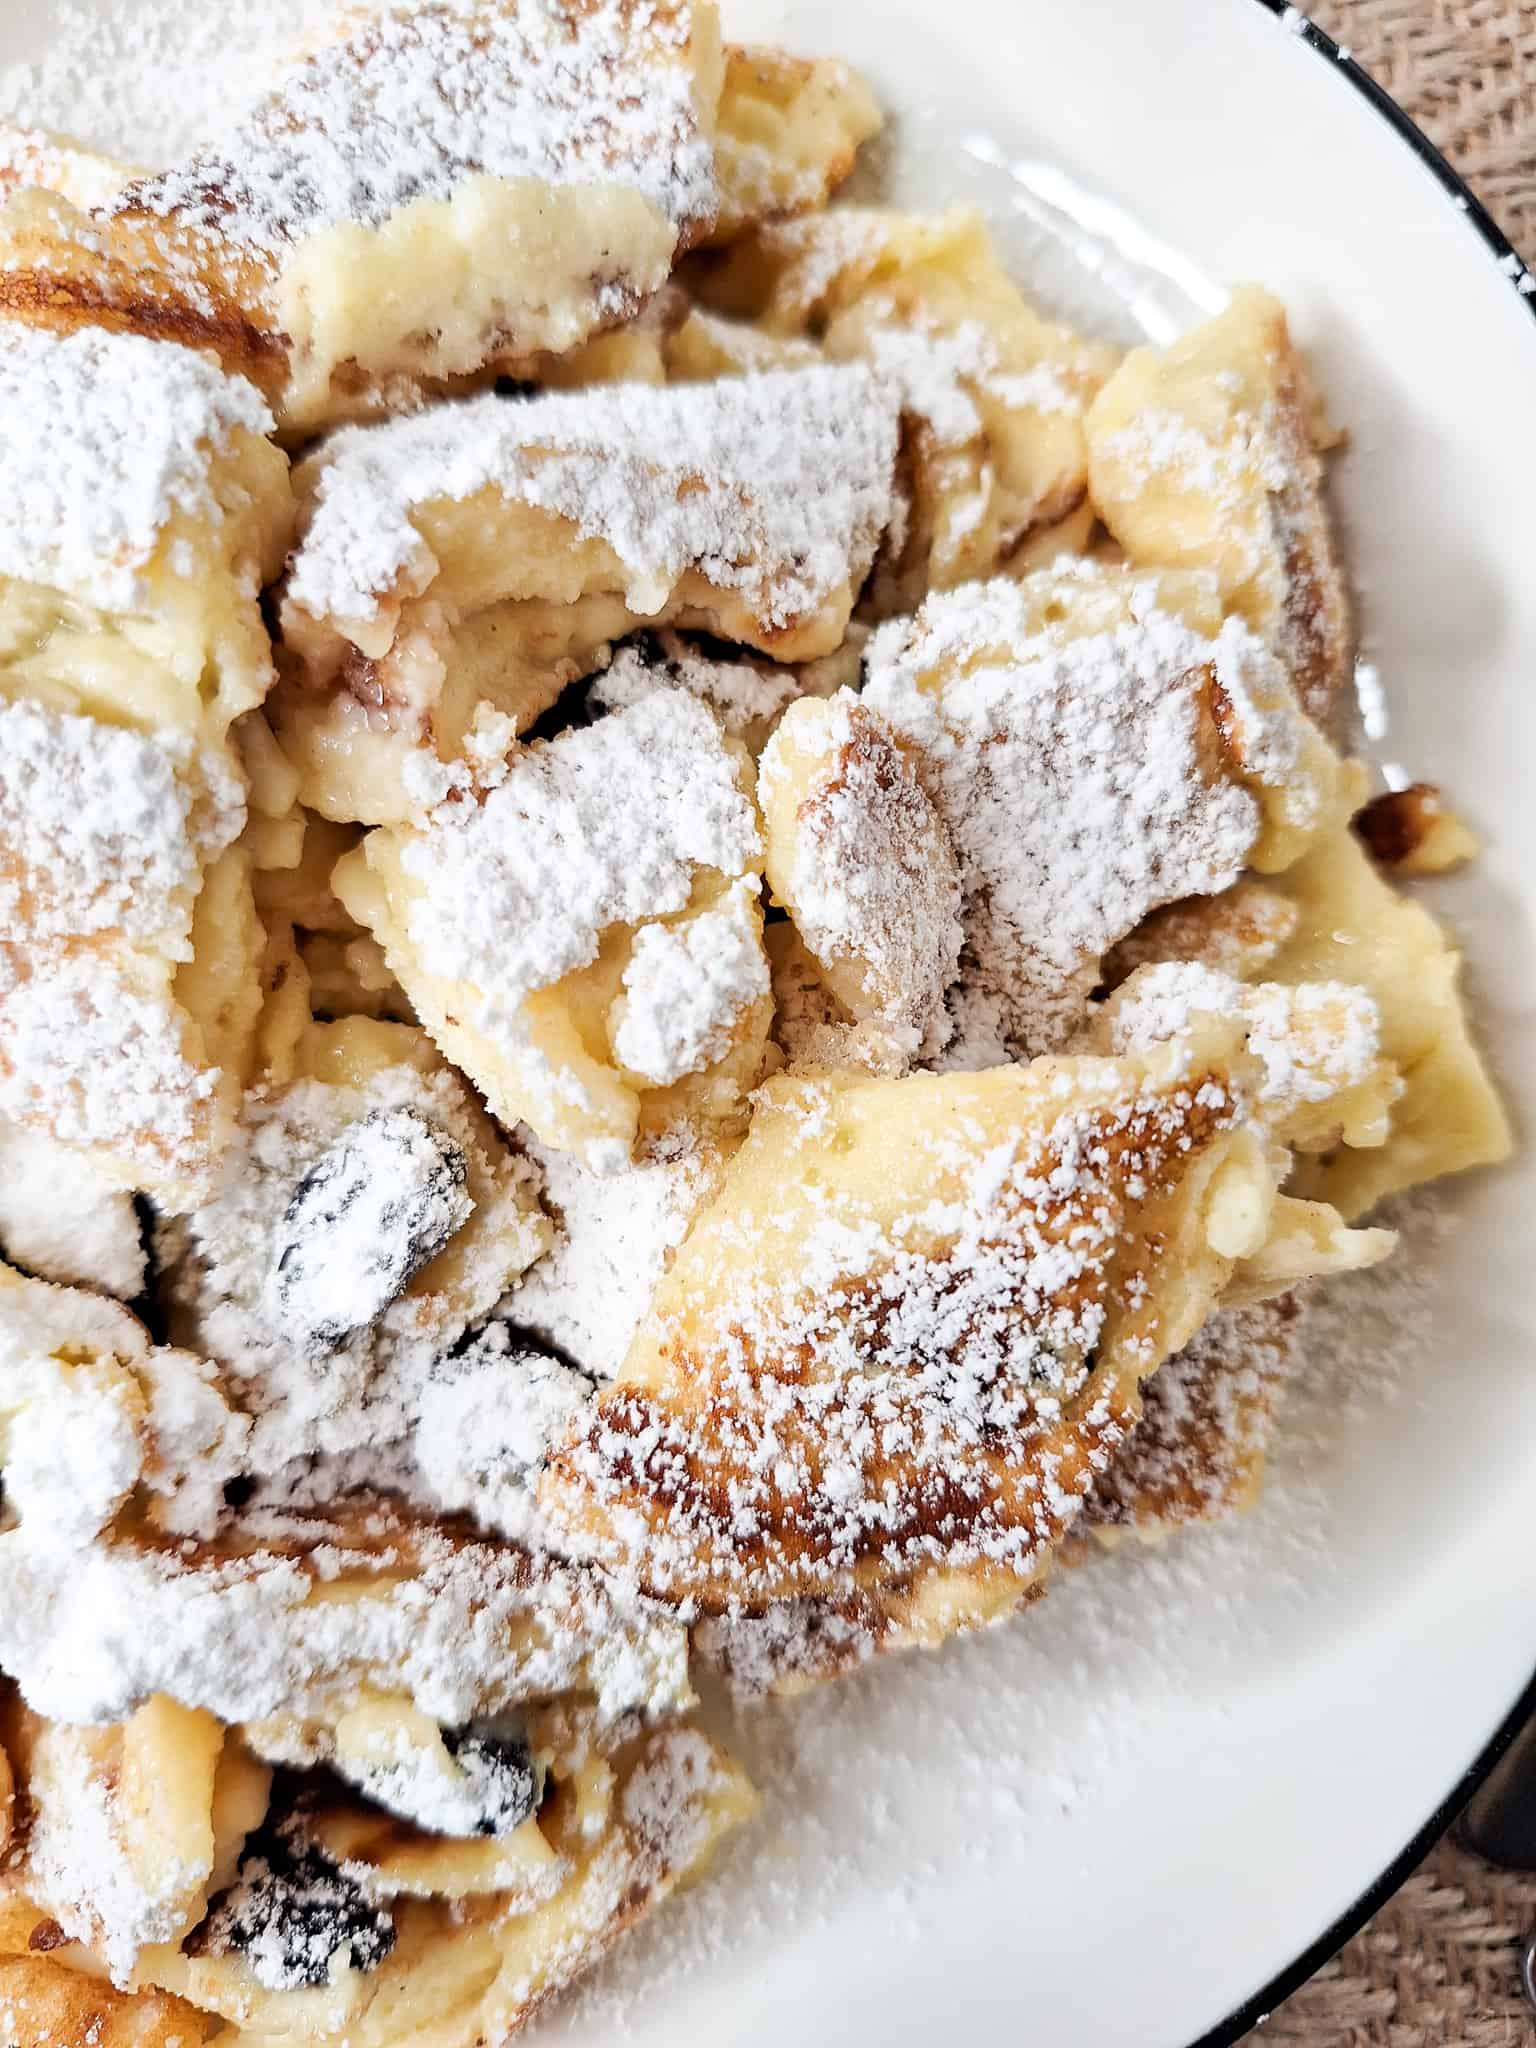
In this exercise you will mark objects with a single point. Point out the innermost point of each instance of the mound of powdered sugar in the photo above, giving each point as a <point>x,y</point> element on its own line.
<point>742,694</point>
<point>607,824</point>
<point>104,830</point>
<point>100,1057</point>
<point>61,1219</point>
<point>616,1234</point>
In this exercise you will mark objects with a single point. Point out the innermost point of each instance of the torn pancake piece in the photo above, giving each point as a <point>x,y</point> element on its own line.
<point>1207,1416</point>
<point>788,132</point>
<point>1195,1454</point>
<point>858,854</point>
<point>127,917</point>
<point>626,1824</point>
<point>992,395</point>
<point>1335,920</point>
<point>1326,1080</point>
<point>1205,456</point>
<point>429,191</point>
<point>1354,926</point>
<point>1098,743</point>
<point>366,1215</point>
<point>147,511</point>
<point>459,568</point>
<point>901,1375</point>
<point>585,937</point>
<point>330,1921</point>
<point>1237,932</point>
<point>44,2002</point>
<point>131,1826</point>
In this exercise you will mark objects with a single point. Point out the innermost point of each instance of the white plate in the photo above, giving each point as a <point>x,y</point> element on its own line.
<point>1119,1820</point>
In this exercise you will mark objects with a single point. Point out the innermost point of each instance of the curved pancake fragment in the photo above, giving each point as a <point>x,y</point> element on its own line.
<point>147,509</point>
<point>223,1901</point>
<point>894,1352</point>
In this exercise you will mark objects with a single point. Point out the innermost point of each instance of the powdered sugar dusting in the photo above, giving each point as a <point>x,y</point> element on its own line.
<point>103,1063</point>
<point>484,1425</point>
<point>31,158</point>
<point>873,880</point>
<point>910,1394</point>
<point>78,1862</point>
<point>940,375</point>
<point>103,437</point>
<point>1207,1417</point>
<point>906,1792</point>
<point>1070,775</point>
<point>616,1235</point>
<point>149,81</point>
<point>244,1266</point>
<point>99,831</point>
<point>686,988</point>
<point>605,825</point>
<point>104,836</point>
<point>1158,442</point>
<point>413,101</point>
<point>1313,1042</point>
<point>465,1630</point>
<point>777,486</point>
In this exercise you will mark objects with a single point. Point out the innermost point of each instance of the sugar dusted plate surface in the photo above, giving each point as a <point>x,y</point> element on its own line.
<point>1116,1820</point>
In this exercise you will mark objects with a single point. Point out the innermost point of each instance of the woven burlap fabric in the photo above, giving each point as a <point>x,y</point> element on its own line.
<point>1466,71</point>
<point>1439,1967</point>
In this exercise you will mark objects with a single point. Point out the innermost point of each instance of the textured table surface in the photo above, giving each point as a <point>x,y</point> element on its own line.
<point>1466,71</point>
<point>1438,1967</point>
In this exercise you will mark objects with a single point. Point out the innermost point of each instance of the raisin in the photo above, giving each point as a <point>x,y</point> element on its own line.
<point>367,1216</point>
<point>494,1789</point>
<point>503,1774</point>
<point>1412,832</point>
<point>1396,824</point>
<point>289,1912</point>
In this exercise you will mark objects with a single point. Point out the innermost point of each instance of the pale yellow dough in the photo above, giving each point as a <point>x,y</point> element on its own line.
<point>1205,456</point>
